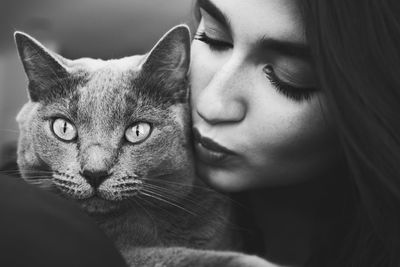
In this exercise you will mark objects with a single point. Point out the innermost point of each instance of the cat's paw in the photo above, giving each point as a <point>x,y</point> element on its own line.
<point>250,261</point>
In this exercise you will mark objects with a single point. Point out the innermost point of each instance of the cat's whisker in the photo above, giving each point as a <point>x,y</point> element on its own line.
<point>148,213</point>
<point>190,199</point>
<point>127,184</point>
<point>206,188</point>
<point>150,193</point>
<point>163,191</point>
<point>193,201</point>
<point>65,182</point>
<point>167,190</point>
<point>150,202</point>
<point>165,184</point>
<point>159,208</point>
<point>25,171</point>
<point>38,174</point>
<point>64,187</point>
<point>170,196</point>
<point>38,178</point>
<point>29,178</point>
<point>203,188</point>
<point>160,198</point>
<point>36,171</point>
<point>35,182</point>
<point>46,184</point>
<point>173,192</point>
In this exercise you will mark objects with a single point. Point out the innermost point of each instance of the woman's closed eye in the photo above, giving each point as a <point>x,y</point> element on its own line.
<point>295,93</point>
<point>214,44</point>
<point>214,33</point>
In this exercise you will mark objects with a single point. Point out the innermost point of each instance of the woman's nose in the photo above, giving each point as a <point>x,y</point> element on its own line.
<point>222,100</point>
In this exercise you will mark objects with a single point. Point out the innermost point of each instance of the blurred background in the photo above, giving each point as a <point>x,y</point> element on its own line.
<point>77,28</point>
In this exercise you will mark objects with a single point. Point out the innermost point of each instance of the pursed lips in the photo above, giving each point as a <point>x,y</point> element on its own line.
<point>210,144</point>
<point>210,152</point>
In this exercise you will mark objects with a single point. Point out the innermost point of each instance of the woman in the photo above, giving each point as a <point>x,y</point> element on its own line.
<point>296,104</point>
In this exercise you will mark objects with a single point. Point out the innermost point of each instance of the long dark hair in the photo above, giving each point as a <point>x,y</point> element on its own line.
<point>356,50</point>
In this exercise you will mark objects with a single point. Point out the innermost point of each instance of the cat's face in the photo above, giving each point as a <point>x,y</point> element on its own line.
<point>107,133</point>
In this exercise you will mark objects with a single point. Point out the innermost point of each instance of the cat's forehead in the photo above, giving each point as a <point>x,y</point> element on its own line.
<point>108,95</point>
<point>106,80</point>
<point>91,65</point>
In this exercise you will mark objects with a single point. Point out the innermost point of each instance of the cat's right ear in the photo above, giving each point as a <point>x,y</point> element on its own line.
<point>46,71</point>
<point>167,64</point>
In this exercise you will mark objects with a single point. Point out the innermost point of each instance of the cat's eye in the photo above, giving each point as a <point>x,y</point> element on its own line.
<point>64,129</point>
<point>138,132</point>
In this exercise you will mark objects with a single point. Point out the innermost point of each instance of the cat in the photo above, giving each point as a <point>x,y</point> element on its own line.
<point>115,137</point>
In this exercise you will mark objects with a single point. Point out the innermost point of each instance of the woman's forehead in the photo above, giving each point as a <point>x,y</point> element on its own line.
<point>254,19</point>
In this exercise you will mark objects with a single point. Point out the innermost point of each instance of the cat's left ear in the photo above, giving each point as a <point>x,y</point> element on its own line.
<point>169,59</point>
<point>44,68</point>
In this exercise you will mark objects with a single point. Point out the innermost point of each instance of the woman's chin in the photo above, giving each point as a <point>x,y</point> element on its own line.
<point>222,179</point>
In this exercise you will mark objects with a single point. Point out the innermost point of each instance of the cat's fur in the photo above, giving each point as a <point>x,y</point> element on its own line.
<point>149,200</point>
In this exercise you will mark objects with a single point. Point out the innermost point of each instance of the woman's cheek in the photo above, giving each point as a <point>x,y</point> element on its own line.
<point>202,70</point>
<point>299,136</point>
<point>206,62</point>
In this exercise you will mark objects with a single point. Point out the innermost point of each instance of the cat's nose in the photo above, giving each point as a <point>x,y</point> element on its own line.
<point>95,178</point>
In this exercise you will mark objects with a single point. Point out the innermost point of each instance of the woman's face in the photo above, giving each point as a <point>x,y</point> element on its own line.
<point>259,117</point>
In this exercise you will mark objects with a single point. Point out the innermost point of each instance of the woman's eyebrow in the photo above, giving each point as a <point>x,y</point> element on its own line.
<point>287,48</point>
<point>214,12</point>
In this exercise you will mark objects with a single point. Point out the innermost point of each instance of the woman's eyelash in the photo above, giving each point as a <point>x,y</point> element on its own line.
<point>296,93</point>
<point>214,44</point>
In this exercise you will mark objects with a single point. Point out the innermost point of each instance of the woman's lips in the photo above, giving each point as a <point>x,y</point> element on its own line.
<point>209,151</point>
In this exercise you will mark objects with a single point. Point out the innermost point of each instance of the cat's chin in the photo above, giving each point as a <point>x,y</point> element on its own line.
<point>99,207</point>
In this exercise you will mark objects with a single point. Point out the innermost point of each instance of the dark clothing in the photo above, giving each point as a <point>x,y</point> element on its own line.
<point>41,229</point>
